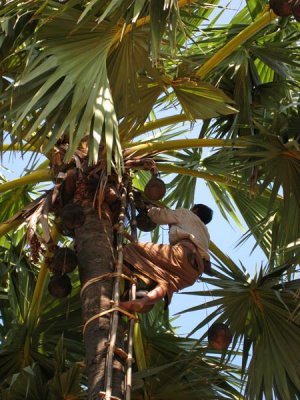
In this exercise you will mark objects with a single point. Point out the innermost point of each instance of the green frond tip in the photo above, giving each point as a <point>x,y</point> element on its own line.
<point>40,175</point>
<point>8,226</point>
<point>266,18</point>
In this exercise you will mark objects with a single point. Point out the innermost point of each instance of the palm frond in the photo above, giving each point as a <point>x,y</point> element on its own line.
<point>81,102</point>
<point>200,100</point>
<point>180,367</point>
<point>258,311</point>
<point>17,350</point>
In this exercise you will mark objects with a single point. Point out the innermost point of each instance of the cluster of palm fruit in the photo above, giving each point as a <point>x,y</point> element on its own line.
<point>154,191</point>
<point>285,8</point>
<point>63,262</point>
<point>64,259</point>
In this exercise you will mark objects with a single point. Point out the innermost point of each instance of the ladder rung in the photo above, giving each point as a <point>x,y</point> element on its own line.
<point>103,396</point>
<point>130,359</point>
<point>120,352</point>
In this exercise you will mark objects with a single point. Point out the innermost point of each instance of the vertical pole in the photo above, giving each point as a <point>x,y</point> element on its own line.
<point>132,297</point>
<point>116,298</point>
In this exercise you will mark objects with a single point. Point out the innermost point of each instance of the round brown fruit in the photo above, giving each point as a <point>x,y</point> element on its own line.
<point>60,286</point>
<point>64,261</point>
<point>155,189</point>
<point>72,216</point>
<point>144,222</point>
<point>282,8</point>
<point>219,336</point>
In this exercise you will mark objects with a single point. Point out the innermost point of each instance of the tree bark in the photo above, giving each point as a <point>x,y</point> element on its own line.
<point>95,257</point>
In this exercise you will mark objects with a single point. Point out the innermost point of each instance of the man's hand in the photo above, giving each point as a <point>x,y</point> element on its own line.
<point>147,164</point>
<point>125,234</point>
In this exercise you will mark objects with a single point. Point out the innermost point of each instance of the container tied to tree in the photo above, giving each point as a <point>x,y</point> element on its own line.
<point>144,222</point>
<point>155,188</point>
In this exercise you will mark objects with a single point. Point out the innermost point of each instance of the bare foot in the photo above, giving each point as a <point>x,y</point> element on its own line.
<point>139,306</point>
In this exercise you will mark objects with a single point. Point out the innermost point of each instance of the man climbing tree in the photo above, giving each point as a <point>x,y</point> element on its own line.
<point>90,86</point>
<point>171,266</point>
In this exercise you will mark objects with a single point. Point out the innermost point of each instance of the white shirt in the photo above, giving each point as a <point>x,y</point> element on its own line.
<point>184,225</point>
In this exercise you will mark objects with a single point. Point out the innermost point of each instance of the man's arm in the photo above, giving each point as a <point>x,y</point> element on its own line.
<point>162,216</point>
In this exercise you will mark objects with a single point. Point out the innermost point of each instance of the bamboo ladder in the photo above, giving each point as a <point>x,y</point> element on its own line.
<point>132,295</point>
<point>107,394</point>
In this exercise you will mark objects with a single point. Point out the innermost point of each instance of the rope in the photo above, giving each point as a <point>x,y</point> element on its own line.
<point>102,313</point>
<point>105,277</point>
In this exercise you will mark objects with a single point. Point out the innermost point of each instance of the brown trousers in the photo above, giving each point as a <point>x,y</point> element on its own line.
<point>174,267</point>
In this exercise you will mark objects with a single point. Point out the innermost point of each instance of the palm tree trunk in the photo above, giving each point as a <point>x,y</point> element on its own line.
<point>95,257</point>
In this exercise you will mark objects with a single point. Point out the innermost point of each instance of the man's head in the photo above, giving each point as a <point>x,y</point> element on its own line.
<point>219,336</point>
<point>203,212</point>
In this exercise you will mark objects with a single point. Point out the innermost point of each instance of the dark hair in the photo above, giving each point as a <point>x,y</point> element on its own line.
<point>216,329</point>
<point>203,212</point>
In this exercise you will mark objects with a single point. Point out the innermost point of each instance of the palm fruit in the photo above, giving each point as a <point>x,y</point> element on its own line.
<point>64,261</point>
<point>60,286</point>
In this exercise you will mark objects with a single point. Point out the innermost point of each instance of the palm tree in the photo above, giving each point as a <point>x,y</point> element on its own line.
<point>83,85</point>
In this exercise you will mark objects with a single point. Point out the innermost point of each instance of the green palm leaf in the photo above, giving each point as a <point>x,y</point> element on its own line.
<point>179,367</point>
<point>200,100</point>
<point>81,101</point>
<point>258,311</point>
<point>26,339</point>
